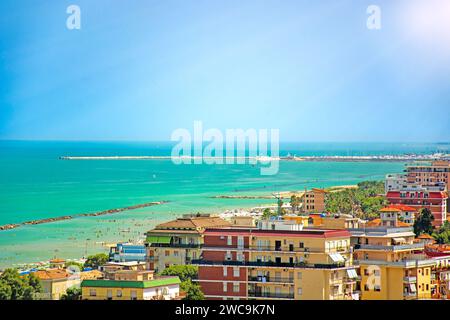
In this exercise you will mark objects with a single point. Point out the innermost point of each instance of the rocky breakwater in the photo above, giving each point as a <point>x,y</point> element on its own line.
<point>93,214</point>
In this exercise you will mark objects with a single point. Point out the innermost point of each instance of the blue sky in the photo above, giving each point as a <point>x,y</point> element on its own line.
<point>137,70</point>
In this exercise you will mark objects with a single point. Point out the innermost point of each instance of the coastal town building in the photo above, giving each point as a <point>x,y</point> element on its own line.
<point>399,213</point>
<point>110,268</point>
<point>312,201</point>
<point>179,241</point>
<point>277,261</point>
<point>394,182</point>
<point>440,278</point>
<point>128,252</point>
<point>392,263</point>
<point>417,198</point>
<point>429,174</point>
<point>333,221</point>
<point>55,283</point>
<point>131,285</point>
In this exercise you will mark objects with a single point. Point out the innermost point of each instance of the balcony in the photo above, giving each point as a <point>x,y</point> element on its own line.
<point>262,279</point>
<point>176,245</point>
<point>412,246</point>
<point>254,294</point>
<point>269,264</point>
<point>409,295</point>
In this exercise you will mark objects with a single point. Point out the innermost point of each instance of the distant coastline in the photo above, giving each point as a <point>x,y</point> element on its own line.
<point>401,158</point>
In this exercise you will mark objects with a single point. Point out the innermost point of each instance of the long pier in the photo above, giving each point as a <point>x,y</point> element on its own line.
<point>68,217</point>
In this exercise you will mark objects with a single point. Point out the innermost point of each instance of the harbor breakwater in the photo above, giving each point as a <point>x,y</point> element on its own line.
<point>69,217</point>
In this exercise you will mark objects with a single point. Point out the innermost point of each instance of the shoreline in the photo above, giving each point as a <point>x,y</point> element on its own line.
<point>69,217</point>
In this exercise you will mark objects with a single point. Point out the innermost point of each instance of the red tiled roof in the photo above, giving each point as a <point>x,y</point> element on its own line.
<point>401,207</point>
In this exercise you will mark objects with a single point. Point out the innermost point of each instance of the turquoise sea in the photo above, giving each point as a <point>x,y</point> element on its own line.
<point>36,184</point>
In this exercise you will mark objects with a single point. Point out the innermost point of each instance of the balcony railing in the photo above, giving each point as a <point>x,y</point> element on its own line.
<point>410,279</point>
<point>270,264</point>
<point>255,294</point>
<point>276,249</point>
<point>176,245</point>
<point>411,246</point>
<point>263,279</point>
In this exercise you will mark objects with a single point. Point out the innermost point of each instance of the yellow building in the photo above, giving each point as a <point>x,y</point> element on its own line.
<point>55,283</point>
<point>333,221</point>
<point>132,285</point>
<point>391,265</point>
<point>179,241</point>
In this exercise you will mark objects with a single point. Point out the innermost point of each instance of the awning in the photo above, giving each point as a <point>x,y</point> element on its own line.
<point>399,240</point>
<point>337,257</point>
<point>352,273</point>
<point>412,286</point>
<point>161,239</point>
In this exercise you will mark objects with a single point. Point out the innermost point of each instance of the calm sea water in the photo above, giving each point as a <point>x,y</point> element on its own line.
<point>35,184</point>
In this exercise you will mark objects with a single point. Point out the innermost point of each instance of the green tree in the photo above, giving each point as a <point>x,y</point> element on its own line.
<point>267,213</point>
<point>424,222</point>
<point>73,293</point>
<point>363,202</point>
<point>186,273</point>
<point>13,286</point>
<point>295,203</point>
<point>96,260</point>
<point>78,265</point>
<point>193,291</point>
<point>443,234</point>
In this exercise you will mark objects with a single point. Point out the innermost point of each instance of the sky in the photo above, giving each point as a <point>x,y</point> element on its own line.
<point>138,70</point>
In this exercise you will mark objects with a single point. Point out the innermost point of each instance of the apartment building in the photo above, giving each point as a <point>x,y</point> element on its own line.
<point>131,285</point>
<point>277,262</point>
<point>123,252</point>
<point>421,197</point>
<point>313,201</point>
<point>333,221</point>
<point>392,263</point>
<point>179,241</point>
<point>396,213</point>
<point>432,174</point>
<point>440,278</point>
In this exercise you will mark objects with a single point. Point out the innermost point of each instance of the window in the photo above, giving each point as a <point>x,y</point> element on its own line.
<point>167,253</point>
<point>109,294</point>
<point>225,271</point>
<point>236,272</point>
<point>228,256</point>
<point>175,253</point>
<point>229,240</point>
<point>302,245</point>
<point>235,287</point>
<point>225,287</point>
<point>92,292</point>
<point>299,275</point>
<point>119,293</point>
<point>299,291</point>
<point>133,295</point>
